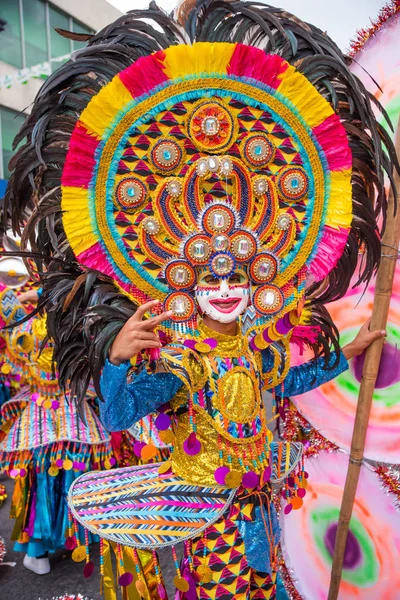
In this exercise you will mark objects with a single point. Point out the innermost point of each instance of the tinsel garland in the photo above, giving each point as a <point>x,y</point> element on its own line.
<point>286,576</point>
<point>297,428</point>
<point>2,549</point>
<point>390,478</point>
<point>68,597</point>
<point>390,10</point>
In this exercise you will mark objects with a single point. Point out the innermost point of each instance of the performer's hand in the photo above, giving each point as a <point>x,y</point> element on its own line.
<point>363,339</point>
<point>31,296</point>
<point>137,334</point>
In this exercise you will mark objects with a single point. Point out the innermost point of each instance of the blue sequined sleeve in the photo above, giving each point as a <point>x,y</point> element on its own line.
<point>125,403</point>
<point>308,376</point>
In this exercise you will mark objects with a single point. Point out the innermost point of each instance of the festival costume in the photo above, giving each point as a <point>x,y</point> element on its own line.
<point>203,159</point>
<point>45,444</point>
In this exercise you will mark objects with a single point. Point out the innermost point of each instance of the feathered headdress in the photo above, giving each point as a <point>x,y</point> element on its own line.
<point>230,134</point>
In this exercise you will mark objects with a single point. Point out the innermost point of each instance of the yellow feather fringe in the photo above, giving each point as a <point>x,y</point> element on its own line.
<point>339,210</point>
<point>103,108</point>
<point>311,105</point>
<point>199,59</point>
<point>75,204</point>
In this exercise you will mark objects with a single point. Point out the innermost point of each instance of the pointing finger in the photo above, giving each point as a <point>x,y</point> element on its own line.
<point>143,309</point>
<point>152,323</point>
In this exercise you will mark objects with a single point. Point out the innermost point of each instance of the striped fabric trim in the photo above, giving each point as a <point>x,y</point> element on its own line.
<point>137,506</point>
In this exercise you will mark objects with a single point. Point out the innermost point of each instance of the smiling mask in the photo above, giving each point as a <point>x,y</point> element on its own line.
<point>223,300</point>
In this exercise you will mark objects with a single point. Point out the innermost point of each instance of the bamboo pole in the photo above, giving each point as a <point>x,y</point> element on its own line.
<point>383,291</point>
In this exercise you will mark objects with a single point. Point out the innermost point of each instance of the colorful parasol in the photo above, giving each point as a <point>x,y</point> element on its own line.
<point>331,408</point>
<point>371,559</point>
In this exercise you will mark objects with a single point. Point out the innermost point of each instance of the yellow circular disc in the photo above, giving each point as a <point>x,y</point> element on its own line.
<point>205,574</point>
<point>148,451</point>
<point>181,584</point>
<point>269,435</point>
<point>141,588</point>
<point>260,342</point>
<point>79,554</point>
<point>166,436</point>
<point>5,369</point>
<point>67,464</point>
<point>47,404</point>
<point>107,464</point>
<point>304,483</point>
<point>53,471</point>
<point>164,467</point>
<point>233,479</point>
<point>202,347</point>
<point>40,401</point>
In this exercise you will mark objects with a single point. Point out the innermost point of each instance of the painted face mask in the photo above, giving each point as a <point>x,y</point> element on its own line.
<point>223,299</point>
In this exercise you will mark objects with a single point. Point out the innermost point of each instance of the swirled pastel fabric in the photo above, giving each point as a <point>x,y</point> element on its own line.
<point>371,559</point>
<point>331,408</point>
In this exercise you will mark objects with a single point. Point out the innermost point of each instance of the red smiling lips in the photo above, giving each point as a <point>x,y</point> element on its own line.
<point>225,305</point>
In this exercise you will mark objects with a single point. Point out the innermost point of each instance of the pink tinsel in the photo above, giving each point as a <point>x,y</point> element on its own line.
<point>80,162</point>
<point>330,249</point>
<point>140,80</point>
<point>388,11</point>
<point>255,64</point>
<point>333,139</point>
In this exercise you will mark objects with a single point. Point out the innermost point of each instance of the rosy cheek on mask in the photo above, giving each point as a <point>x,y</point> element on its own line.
<point>224,303</point>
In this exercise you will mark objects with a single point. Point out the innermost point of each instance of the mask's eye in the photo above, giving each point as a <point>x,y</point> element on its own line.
<point>235,279</point>
<point>211,280</point>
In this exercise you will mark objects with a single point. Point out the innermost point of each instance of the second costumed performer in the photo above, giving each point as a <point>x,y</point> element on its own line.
<point>225,189</point>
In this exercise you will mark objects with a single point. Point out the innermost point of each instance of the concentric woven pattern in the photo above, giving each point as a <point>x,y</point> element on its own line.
<point>138,507</point>
<point>152,101</point>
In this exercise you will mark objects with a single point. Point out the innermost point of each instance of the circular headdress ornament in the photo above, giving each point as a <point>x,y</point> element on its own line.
<point>219,169</point>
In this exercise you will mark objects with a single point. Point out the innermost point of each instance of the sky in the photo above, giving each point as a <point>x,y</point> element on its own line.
<point>340,18</point>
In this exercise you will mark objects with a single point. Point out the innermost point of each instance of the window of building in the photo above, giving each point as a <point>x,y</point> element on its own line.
<point>10,37</point>
<point>10,124</point>
<point>35,33</point>
<point>29,37</point>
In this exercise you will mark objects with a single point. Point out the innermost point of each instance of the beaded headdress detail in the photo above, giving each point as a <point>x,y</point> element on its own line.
<point>214,154</point>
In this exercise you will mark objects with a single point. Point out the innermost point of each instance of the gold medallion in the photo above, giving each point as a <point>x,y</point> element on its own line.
<point>164,467</point>
<point>166,436</point>
<point>205,573</point>
<point>233,479</point>
<point>181,584</point>
<point>79,554</point>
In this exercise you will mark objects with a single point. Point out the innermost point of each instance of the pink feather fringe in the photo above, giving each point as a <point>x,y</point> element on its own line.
<point>80,162</point>
<point>95,258</point>
<point>304,335</point>
<point>141,77</point>
<point>255,64</point>
<point>333,139</point>
<point>330,249</point>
